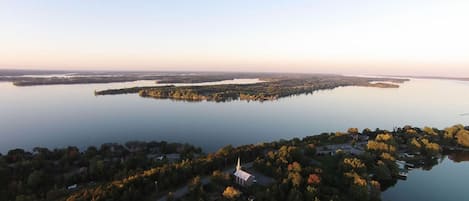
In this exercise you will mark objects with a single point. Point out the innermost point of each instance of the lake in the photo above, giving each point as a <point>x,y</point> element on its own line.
<point>445,181</point>
<point>62,115</point>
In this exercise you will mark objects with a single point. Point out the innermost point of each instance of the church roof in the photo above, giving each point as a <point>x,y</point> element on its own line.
<point>242,175</point>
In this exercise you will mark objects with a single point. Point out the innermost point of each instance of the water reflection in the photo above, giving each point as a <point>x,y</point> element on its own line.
<point>62,115</point>
<point>426,183</point>
<point>460,156</point>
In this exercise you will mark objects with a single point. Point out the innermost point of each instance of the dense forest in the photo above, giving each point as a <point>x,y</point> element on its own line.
<point>45,174</point>
<point>337,166</point>
<point>272,89</point>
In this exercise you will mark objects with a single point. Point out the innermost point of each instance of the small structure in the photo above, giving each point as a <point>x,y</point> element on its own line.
<point>360,137</point>
<point>72,187</point>
<point>241,177</point>
<point>334,148</point>
<point>173,157</point>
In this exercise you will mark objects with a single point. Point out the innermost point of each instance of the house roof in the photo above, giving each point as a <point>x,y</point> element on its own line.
<point>242,175</point>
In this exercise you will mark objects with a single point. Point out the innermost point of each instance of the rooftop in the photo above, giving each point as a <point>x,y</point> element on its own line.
<point>242,175</point>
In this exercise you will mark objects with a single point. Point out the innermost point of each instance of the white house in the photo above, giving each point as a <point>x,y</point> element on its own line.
<point>241,177</point>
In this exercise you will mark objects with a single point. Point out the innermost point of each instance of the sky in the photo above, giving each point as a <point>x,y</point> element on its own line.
<point>405,37</point>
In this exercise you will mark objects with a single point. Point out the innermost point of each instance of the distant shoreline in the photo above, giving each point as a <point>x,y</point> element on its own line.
<point>429,77</point>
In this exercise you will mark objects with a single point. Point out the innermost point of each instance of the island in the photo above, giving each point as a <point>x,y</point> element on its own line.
<point>272,88</point>
<point>337,166</point>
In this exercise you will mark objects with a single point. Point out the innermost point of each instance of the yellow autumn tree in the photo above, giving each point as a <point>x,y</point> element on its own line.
<point>450,132</point>
<point>383,137</point>
<point>352,130</point>
<point>430,145</point>
<point>380,146</point>
<point>414,142</point>
<point>429,131</point>
<point>357,180</point>
<point>354,163</point>
<point>387,156</point>
<point>463,138</point>
<point>231,192</point>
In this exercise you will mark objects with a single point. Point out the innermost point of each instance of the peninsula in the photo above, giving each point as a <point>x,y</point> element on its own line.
<point>338,166</point>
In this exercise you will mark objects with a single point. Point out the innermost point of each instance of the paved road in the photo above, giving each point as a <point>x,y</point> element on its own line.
<point>180,192</point>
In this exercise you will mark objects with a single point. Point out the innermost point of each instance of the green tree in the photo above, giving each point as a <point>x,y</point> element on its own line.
<point>35,179</point>
<point>359,193</point>
<point>294,195</point>
<point>196,190</point>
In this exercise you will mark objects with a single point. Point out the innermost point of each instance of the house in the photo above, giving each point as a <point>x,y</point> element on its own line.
<point>241,177</point>
<point>334,148</point>
<point>360,137</point>
<point>173,157</point>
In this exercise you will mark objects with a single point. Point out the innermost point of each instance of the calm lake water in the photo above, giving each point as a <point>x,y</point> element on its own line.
<point>446,181</point>
<point>62,115</point>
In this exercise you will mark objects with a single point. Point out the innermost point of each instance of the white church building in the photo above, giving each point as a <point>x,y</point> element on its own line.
<point>241,177</point>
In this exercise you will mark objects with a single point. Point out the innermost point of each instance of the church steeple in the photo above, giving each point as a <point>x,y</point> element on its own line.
<point>238,166</point>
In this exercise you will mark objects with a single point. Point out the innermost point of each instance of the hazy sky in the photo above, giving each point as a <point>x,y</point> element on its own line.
<point>426,37</point>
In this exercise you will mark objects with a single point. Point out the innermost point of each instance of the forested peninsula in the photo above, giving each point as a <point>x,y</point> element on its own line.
<point>272,88</point>
<point>342,166</point>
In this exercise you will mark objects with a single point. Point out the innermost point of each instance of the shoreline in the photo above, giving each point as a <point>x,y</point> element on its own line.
<point>340,154</point>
